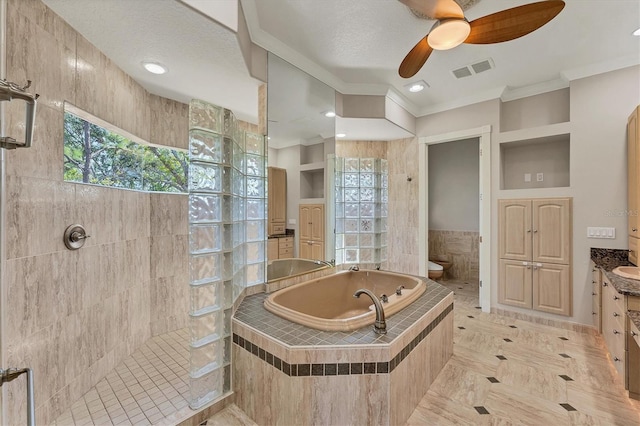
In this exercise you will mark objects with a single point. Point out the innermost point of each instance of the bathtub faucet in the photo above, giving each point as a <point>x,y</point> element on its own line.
<point>354,268</point>
<point>330,263</point>
<point>380,326</point>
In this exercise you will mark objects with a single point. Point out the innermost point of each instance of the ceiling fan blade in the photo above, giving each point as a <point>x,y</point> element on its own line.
<point>436,9</point>
<point>513,23</point>
<point>415,59</point>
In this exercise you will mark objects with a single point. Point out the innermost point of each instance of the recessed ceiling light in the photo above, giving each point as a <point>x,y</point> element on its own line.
<point>329,114</point>
<point>416,86</point>
<point>154,67</point>
<point>637,32</point>
<point>340,135</point>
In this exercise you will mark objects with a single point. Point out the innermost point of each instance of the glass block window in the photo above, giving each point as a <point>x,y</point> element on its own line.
<point>227,238</point>
<point>361,210</point>
<point>96,155</point>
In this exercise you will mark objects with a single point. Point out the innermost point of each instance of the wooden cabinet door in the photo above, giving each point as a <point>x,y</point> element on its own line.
<point>515,283</point>
<point>317,222</point>
<point>311,222</point>
<point>514,219</point>
<point>277,199</point>
<point>304,219</point>
<point>272,249</point>
<point>633,173</point>
<point>317,250</point>
<point>552,288</point>
<point>305,251</point>
<point>551,229</point>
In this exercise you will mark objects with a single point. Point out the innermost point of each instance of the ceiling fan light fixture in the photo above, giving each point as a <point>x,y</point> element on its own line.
<point>448,33</point>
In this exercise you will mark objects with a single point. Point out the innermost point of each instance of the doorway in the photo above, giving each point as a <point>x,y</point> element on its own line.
<point>454,232</point>
<point>482,136</point>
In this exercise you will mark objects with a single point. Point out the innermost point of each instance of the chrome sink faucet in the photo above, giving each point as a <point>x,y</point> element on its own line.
<point>380,326</point>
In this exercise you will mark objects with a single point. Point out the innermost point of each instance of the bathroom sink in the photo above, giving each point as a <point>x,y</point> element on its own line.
<point>632,272</point>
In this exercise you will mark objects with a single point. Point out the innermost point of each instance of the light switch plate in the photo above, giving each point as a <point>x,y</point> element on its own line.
<point>600,232</point>
<point>527,177</point>
<point>540,177</point>
<point>292,221</point>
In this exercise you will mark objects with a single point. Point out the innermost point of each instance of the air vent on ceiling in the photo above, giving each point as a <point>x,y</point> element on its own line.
<point>472,69</point>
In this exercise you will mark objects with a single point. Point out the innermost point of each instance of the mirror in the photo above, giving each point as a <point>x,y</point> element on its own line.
<point>301,137</point>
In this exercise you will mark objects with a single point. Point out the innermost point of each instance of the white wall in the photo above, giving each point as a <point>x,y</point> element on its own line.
<point>453,186</point>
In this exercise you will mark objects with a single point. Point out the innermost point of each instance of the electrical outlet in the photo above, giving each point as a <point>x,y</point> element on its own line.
<point>527,177</point>
<point>292,221</point>
<point>540,177</point>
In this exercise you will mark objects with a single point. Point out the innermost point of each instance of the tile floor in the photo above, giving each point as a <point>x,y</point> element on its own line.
<point>513,372</point>
<point>505,372</point>
<point>149,387</point>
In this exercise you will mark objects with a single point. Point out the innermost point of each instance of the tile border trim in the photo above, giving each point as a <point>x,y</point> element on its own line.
<point>339,368</point>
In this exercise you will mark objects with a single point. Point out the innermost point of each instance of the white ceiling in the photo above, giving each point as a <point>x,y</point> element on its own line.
<point>354,46</point>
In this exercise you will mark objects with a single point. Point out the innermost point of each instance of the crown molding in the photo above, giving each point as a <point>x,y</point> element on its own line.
<point>513,93</point>
<point>601,67</point>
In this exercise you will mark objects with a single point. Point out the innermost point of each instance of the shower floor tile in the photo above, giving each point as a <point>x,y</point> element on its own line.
<point>149,387</point>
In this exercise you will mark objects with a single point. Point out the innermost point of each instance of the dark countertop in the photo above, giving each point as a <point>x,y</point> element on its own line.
<point>607,260</point>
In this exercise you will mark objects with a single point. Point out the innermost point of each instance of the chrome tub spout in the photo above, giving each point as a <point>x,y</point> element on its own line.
<point>380,326</point>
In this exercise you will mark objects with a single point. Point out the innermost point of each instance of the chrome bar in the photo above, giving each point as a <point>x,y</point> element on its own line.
<point>13,373</point>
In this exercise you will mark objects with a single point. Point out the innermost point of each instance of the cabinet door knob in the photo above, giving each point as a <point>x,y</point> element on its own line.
<point>593,281</point>
<point>616,359</point>
<point>593,293</point>
<point>615,331</point>
<point>615,314</point>
<point>528,230</point>
<point>594,313</point>
<point>604,284</point>
<point>616,298</point>
<point>633,333</point>
<point>634,229</point>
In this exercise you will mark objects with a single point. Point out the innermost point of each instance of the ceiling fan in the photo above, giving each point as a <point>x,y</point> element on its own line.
<point>452,28</point>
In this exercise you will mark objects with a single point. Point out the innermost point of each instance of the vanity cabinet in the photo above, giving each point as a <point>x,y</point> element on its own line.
<point>272,248</point>
<point>596,296</point>
<point>535,254</point>
<point>614,325</point>
<point>285,247</point>
<point>277,200</point>
<point>311,231</point>
<point>633,186</point>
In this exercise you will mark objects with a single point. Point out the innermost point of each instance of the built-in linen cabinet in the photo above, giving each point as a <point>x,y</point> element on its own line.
<point>311,231</point>
<point>535,254</point>
<point>596,302</point>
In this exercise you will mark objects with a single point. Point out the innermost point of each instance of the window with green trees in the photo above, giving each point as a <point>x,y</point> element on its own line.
<point>93,154</point>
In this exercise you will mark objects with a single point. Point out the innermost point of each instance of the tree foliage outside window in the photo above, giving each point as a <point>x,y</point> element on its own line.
<point>93,154</point>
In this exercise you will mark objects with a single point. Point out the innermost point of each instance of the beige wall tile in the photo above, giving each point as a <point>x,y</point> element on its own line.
<point>169,122</point>
<point>169,214</point>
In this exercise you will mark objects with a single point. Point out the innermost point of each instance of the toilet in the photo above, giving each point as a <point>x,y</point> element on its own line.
<point>435,270</point>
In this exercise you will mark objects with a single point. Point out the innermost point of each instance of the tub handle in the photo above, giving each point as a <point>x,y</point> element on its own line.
<point>399,290</point>
<point>384,298</point>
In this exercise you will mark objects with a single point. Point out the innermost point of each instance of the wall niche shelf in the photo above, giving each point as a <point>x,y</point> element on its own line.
<point>312,166</point>
<point>536,157</point>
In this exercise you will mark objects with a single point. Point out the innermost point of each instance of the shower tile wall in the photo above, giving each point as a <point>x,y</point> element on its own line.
<point>460,248</point>
<point>404,215</point>
<point>73,315</point>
